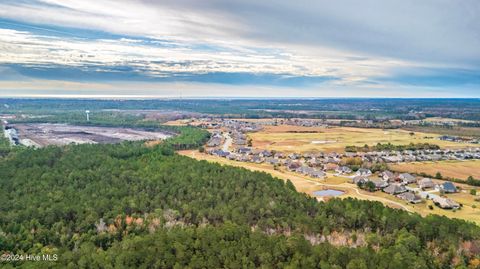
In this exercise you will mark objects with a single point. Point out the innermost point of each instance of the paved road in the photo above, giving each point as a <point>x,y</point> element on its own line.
<point>228,141</point>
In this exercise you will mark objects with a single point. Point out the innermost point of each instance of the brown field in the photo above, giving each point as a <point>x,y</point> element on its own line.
<point>451,169</point>
<point>177,122</point>
<point>439,119</point>
<point>455,131</point>
<point>289,138</point>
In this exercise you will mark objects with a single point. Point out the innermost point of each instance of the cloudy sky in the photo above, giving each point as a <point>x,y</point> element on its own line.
<point>240,48</point>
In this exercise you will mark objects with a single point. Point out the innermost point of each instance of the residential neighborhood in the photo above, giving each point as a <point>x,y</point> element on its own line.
<point>319,165</point>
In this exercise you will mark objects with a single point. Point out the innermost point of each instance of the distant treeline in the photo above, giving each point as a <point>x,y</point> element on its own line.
<point>369,109</point>
<point>390,147</point>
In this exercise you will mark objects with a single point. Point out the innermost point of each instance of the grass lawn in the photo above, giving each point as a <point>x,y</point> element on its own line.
<point>287,138</point>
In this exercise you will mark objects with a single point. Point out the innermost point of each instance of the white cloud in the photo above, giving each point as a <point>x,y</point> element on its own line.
<point>20,47</point>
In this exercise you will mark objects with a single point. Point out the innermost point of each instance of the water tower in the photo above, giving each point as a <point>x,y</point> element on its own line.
<point>88,114</point>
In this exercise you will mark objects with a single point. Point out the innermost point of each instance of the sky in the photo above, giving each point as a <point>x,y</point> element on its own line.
<point>239,48</point>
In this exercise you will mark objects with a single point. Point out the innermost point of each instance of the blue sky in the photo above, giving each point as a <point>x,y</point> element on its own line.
<point>243,48</point>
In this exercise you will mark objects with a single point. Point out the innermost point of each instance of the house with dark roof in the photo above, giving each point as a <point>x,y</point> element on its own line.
<point>220,153</point>
<point>293,166</point>
<point>448,187</point>
<point>244,150</point>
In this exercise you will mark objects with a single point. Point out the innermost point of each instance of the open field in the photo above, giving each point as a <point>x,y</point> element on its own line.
<point>473,132</point>
<point>439,119</point>
<point>309,185</point>
<point>452,169</point>
<point>288,138</point>
<point>177,122</point>
<point>62,134</point>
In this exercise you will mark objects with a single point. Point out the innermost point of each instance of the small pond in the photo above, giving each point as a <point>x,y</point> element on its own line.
<point>329,192</point>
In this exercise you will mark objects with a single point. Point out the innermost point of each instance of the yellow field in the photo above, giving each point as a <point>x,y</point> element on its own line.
<point>177,122</point>
<point>438,119</point>
<point>288,138</point>
<point>309,185</point>
<point>452,169</point>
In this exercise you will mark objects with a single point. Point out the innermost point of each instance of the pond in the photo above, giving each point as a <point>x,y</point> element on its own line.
<point>328,192</point>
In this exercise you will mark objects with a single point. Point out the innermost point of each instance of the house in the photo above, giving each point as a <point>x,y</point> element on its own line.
<point>388,176</point>
<point>445,203</point>
<point>363,172</point>
<point>379,184</point>
<point>426,183</point>
<point>304,170</point>
<point>395,189</point>
<point>293,166</point>
<point>359,180</point>
<point>293,156</point>
<point>233,156</point>
<point>343,170</point>
<point>407,178</point>
<point>265,153</point>
<point>314,162</point>
<point>272,161</point>
<point>448,187</point>
<point>257,159</point>
<point>220,153</point>
<point>410,197</point>
<point>244,150</point>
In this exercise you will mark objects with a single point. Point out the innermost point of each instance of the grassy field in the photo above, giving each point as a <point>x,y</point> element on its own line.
<point>288,138</point>
<point>452,169</point>
<point>455,131</point>
<point>438,119</point>
<point>309,185</point>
